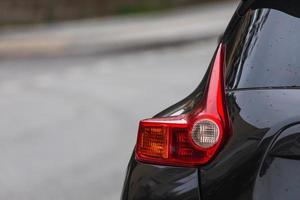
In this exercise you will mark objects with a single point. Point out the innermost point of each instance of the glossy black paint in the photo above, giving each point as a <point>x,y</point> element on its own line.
<point>232,174</point>
<point>287,145</point>
<point>264,148</point>
<point>278,177</point>
<point>261,52</point>
<point>280,182</point>
<point>152,182</point>
<point>260,107</point>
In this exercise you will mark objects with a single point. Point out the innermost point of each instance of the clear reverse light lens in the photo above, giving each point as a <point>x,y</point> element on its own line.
<point>205,133</point>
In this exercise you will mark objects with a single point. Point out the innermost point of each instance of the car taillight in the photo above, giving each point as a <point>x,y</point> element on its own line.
<point>191,139</point>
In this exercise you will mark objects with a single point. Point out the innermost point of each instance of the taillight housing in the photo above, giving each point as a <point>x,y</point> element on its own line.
<point>192,139</point>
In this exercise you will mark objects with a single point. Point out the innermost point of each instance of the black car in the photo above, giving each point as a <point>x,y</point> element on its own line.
<point>237,136</point>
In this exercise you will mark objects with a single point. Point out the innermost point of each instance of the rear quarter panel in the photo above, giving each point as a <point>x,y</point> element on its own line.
<point>258,117</point>
<point>279,175</point>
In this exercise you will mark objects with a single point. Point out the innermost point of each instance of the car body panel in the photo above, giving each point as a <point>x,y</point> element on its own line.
<point>287,145</point>
<point>280,182</point>
<point>264,123</point>
<point>153,182</point>
<point>258,116</point>
<point>278,176</point>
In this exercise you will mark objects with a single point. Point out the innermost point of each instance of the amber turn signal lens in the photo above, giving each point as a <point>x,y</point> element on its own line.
<point>154,142</point>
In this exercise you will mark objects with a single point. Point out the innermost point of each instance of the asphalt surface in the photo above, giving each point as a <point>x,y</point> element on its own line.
<point>68,124</point>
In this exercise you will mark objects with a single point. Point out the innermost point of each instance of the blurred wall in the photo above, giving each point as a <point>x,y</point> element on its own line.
<point>32,11</point>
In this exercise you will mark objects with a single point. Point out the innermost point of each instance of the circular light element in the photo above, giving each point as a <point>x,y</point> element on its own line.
<point>205,133</point>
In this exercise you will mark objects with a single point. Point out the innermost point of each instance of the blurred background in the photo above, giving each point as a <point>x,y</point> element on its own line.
<point>77,76</point>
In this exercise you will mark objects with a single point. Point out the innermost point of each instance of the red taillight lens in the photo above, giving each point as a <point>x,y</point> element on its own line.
<point>192,139</point>
<point>166,141</point>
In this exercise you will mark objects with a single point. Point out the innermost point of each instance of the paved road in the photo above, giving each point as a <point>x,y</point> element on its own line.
<point>68,125</point>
